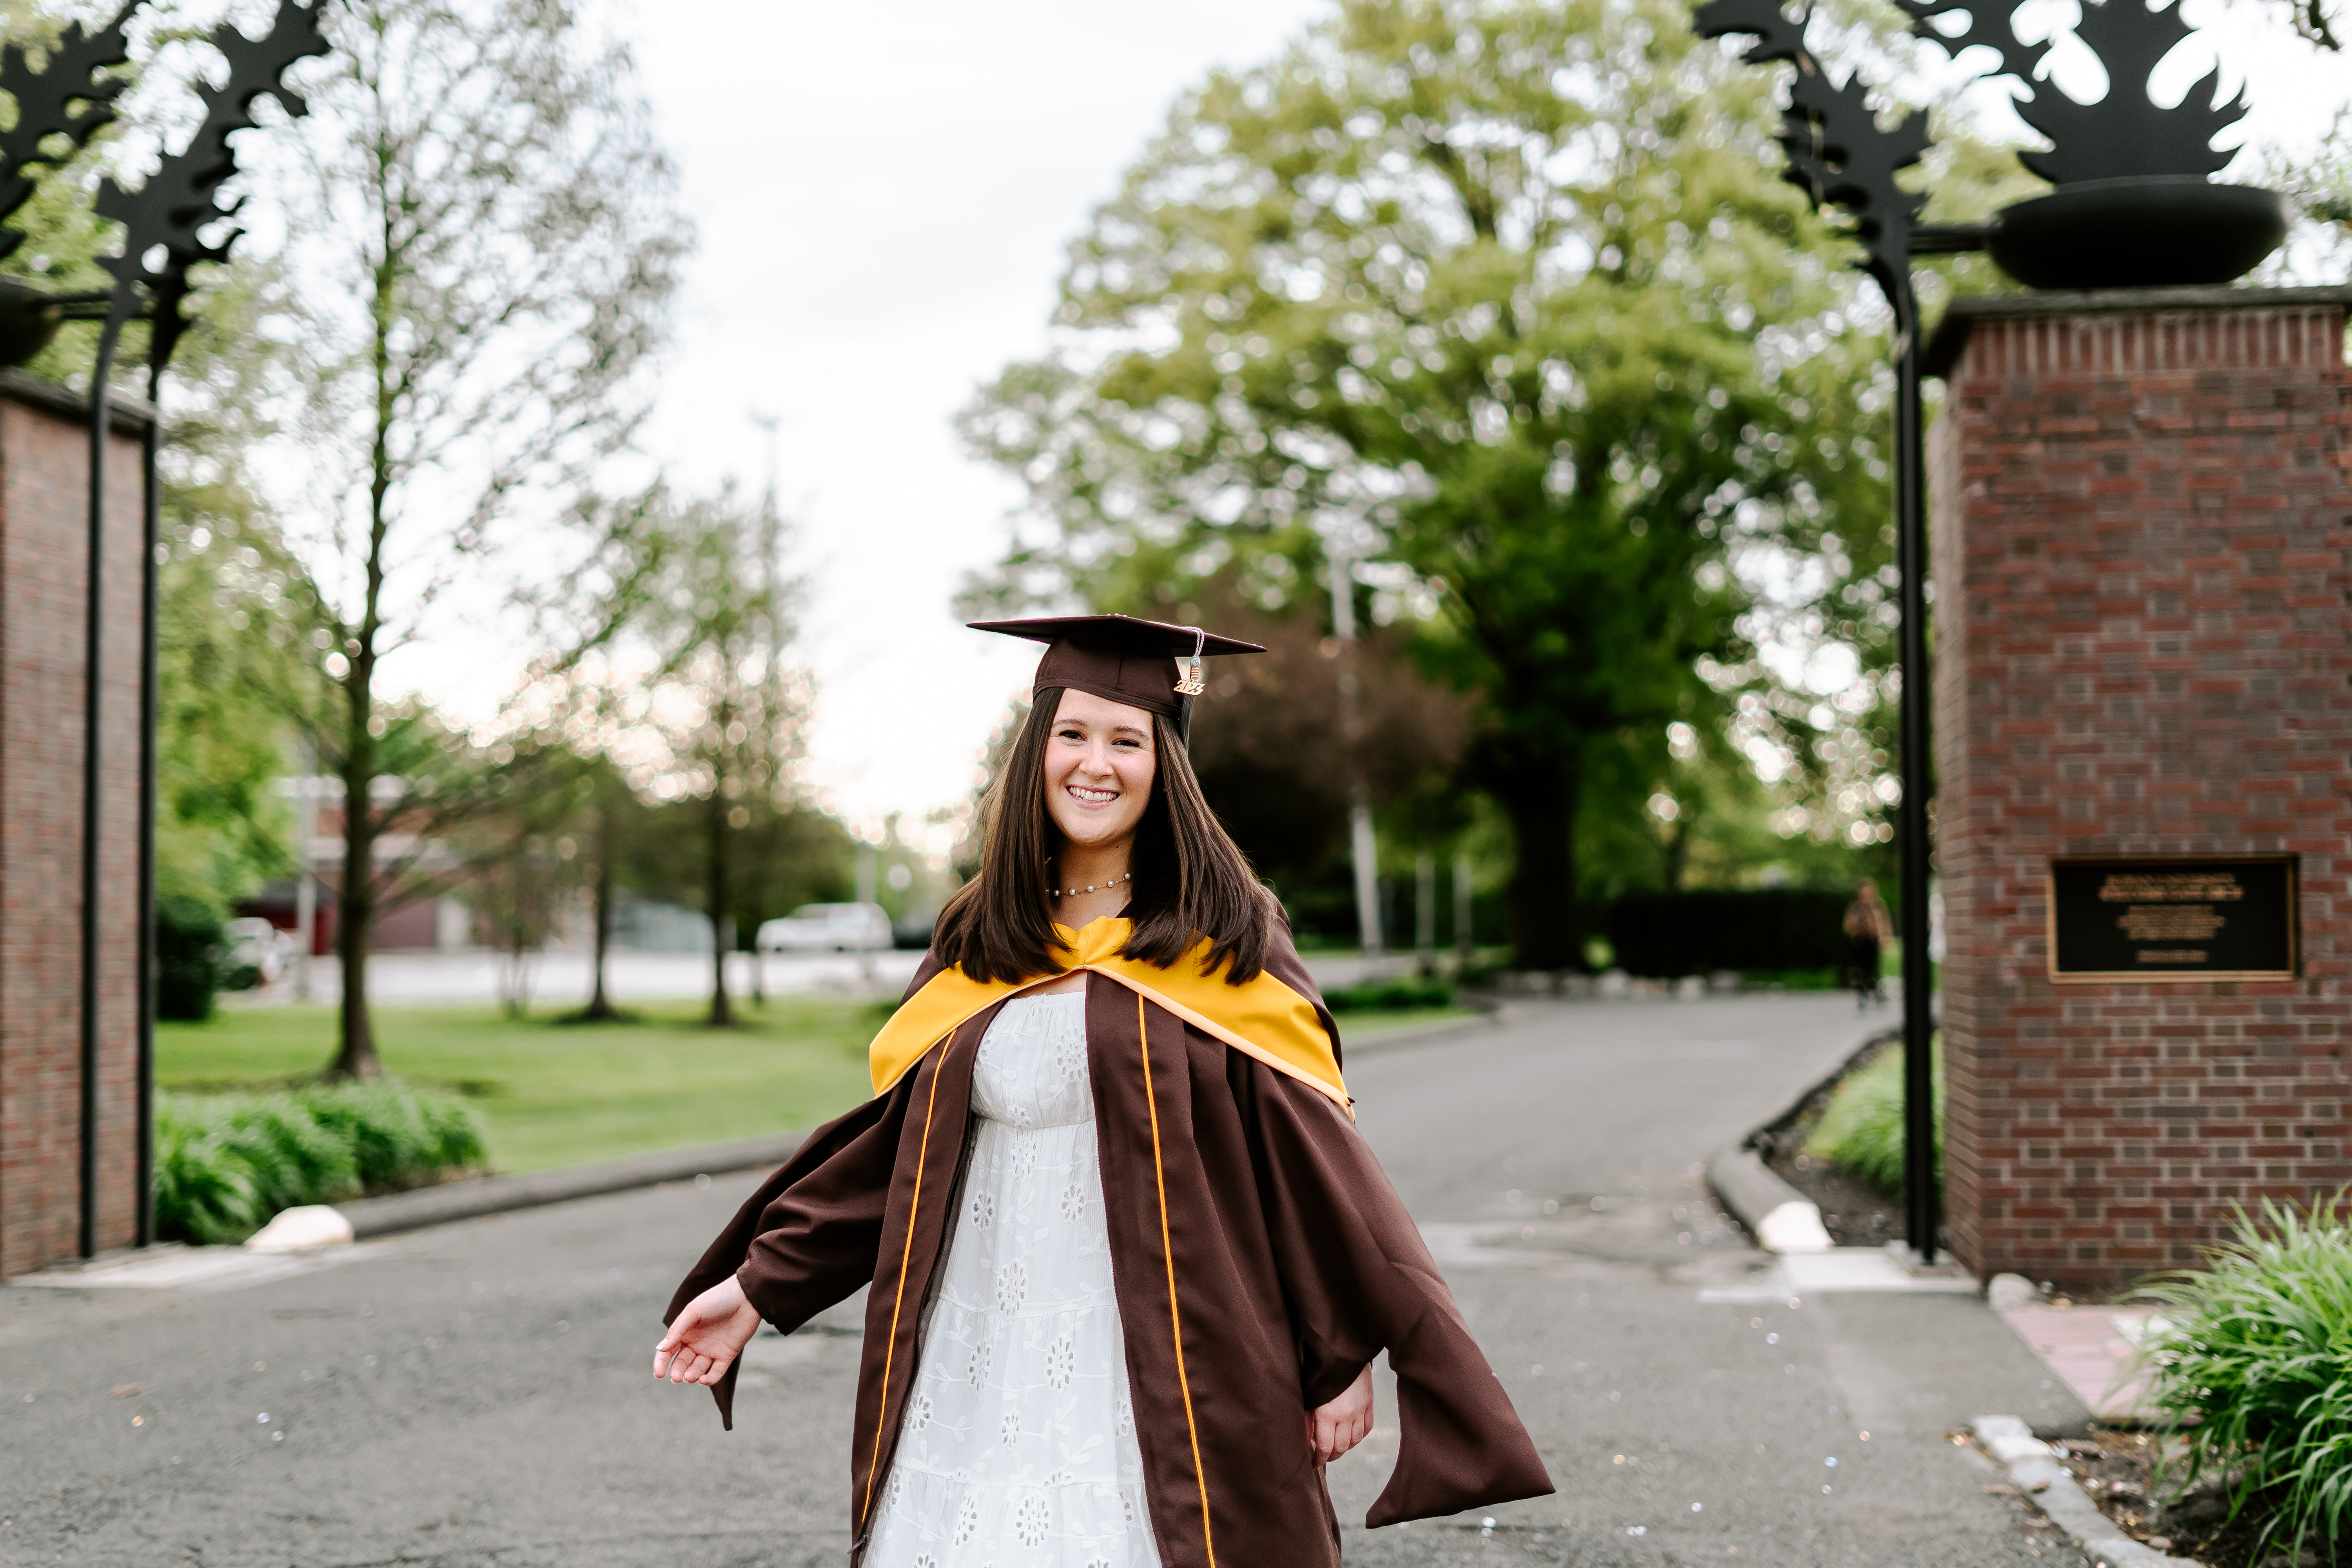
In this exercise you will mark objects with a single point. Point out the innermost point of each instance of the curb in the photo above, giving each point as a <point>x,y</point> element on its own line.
<point>397,1212</point>
<point>2045,1483</point>
<point>1778,1216</point>
<point>1874,1033</point>
<point>1422,1034</point>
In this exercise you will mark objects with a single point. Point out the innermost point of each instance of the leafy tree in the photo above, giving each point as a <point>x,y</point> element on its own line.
<point>520,864</point>
<point>715,622</point>
<point>579,708</point>
<point>613,818</point>
<point>221,825</point>
<point>480,259</point>
<point>1267,730</point>
<point>1512,286</point>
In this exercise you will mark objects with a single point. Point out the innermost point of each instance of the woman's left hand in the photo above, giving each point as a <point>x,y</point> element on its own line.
<point>1347,1421</point>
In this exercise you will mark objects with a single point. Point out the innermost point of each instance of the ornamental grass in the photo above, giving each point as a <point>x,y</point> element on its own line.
<point>1861,1129</point>
<point>2251,1358</point>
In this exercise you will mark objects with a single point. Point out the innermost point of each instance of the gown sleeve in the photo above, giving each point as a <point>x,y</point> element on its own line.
<point>808,1238</point>
<point>1360,1280</point>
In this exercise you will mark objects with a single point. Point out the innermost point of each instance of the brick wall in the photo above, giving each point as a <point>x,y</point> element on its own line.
<point>43,533</point>
<point>2143,565</point>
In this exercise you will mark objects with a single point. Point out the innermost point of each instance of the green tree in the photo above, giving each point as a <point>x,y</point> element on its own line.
<point>1509,291</point>
<point>223,645</point>
<point>579,707</point>
<point>479,260</point>
<point>721,700</point>
<point>1267,730</point>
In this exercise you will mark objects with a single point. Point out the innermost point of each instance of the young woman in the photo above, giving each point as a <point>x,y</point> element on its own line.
<point>1129,1261</point>
<point>1868,929</point>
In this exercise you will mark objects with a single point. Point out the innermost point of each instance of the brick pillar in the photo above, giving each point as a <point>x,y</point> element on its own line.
<point>2142,520</point>
<point>44,585</point>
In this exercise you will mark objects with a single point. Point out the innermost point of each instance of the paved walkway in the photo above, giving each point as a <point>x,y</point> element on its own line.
<point>477,1395</point>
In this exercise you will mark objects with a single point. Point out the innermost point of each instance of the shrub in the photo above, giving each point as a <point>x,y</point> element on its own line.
<point>1698,933</point>
<point>399,1138</point>
<point>191,951</point>
<point>293,1159</point>
<point>204,1189</point>
<point>2252,1355</point>
<point>1861,1131</point>
<point>224,1164</point>
<point>1398,993</point>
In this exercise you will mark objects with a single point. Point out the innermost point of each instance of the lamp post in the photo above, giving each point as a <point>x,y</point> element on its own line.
<point>162,222</point>
<point>2132,208</point>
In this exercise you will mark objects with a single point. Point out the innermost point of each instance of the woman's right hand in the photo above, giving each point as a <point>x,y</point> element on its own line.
<point>707,1335</point>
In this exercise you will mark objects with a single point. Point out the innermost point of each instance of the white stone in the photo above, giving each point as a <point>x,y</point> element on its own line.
<point>2007,1292</point>
<point>1793,1227</point>
<point>303,1226</point>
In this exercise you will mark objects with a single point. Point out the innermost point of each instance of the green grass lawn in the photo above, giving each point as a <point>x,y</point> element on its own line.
<point>554,1094</point>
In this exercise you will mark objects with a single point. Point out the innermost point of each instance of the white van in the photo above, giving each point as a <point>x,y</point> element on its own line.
<point>827,928</point>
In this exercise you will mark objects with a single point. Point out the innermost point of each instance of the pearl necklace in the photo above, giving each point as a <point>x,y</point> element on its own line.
<point>1090,887</point>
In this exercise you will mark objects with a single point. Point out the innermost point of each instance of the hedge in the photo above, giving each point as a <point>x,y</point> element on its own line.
<point>224,1164</point>
<point>191,953</point>
<point>1665,934</point>
<point>1394,994</point>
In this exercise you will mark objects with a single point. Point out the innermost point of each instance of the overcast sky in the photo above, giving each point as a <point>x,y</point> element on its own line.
<point>883,196</point>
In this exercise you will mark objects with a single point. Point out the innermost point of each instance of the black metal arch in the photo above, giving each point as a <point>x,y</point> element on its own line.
<point>73,96</point>
<point>1841,157</point>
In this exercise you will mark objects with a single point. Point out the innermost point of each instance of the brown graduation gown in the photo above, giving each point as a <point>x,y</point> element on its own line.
<point>1261,1261</point>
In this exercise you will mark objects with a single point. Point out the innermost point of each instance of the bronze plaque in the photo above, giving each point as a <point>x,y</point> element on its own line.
<point>2170,919</point>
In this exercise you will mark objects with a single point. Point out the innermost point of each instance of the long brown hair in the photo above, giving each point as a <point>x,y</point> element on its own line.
<point>1191,880</point>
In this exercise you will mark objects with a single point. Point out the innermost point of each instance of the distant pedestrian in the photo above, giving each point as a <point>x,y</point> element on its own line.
<point>1130,1260</point>
<point>1868,929</point>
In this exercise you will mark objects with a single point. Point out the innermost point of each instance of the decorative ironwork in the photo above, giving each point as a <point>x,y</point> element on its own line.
<point>2124,135</point>
<point>1838,153</point>
<point>2132,206</point>
<point>183,197</point>
<point>70,96</point>
<point>67,97</point>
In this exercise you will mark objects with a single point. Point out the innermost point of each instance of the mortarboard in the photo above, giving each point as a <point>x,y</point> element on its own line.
<point>1122,659</point>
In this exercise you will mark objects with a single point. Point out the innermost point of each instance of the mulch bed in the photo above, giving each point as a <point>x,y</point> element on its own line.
<point>2118,1469</point>
<point>1855,1214</point>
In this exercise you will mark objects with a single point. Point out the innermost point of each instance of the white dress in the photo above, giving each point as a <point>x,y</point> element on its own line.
<point>1017,1449</point>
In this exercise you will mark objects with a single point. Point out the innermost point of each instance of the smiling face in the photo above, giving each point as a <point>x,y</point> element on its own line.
<point>1098,769</point>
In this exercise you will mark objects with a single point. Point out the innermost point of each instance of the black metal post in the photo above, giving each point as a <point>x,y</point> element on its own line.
<point>1920,1195</point>
<point>93,794</point>
<point>151,572</point>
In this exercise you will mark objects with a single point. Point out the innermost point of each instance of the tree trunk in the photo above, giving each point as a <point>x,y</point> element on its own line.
<point>518,983</point>
<point>1539,795</point>
<point>354,931</point>
<point>600,1008</point>
<point>722,1011</point>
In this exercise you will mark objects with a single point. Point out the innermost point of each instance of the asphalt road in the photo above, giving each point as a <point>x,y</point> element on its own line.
<point>478,1396</point>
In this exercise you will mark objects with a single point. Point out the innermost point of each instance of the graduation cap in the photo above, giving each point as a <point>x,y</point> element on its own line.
<point>1123,659</point>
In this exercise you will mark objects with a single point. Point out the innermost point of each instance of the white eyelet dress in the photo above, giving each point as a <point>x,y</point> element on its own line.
<point>1017,1449</point>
